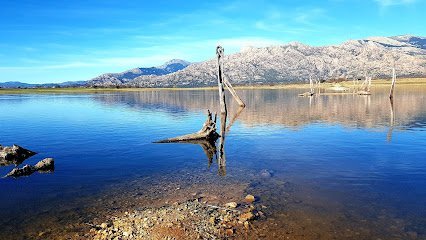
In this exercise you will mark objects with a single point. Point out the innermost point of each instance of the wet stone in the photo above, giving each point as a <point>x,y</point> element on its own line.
<point>249,198</point>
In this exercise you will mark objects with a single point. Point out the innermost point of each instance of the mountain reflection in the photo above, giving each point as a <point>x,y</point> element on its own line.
<point>283,107</point>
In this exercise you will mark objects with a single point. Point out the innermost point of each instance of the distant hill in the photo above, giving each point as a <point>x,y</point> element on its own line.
<point>295,62</point>
<point>117,79</point>
<point>15,85</point>
<point>43,85</point>
<point>109,79</point>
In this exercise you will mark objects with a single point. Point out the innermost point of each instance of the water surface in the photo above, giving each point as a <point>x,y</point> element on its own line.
<point>343,166</point>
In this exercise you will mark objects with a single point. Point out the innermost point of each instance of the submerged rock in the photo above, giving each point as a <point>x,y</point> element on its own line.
<point>249,198</point>
<point>14,155</point>
<point>265,173</point>
<point>45,165</point>
<point>24,171</point>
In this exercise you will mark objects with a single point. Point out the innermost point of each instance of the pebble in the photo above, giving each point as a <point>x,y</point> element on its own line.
<point>246,216</point>
<point>246,225</point>
<point>192,217</point>
<point>249,198</point>
<point>231,205</point>
<point>229,231</point>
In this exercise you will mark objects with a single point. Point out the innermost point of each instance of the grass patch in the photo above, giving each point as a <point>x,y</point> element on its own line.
<point>377,82</point>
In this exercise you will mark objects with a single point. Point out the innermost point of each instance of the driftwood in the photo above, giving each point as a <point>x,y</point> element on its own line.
<point>207,136</point>
<point>311,91</point>
<point>207,132</point>
<point>365,87</point>
<point>14,155</point>
<point>45,165</point>
<point>306,94</point>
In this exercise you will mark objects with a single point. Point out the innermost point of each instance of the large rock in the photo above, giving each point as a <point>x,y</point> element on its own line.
<point>45,165</point>
<point>14,155</point>
<point>19,172</point>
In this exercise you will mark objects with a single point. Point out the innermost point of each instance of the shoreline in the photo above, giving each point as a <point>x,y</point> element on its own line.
<point>375,83</point>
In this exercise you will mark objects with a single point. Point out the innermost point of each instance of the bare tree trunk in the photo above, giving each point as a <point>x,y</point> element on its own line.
<point>220,54</point>
<point>393,83</point>
<point>234,94</point>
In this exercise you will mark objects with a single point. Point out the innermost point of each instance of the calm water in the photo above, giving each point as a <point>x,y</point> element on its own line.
<point>355,165</point>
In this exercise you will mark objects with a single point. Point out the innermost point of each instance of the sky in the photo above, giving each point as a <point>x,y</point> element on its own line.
<point>58,40</point>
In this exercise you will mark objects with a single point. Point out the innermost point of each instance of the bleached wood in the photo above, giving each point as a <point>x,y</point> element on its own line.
<point>220,55</point>
<point>393,84</point>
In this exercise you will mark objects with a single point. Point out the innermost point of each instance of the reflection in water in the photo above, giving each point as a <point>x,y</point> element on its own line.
<point>209,145</point>
<point>235,117</point>
<point>392,120</point>
<point>283,107</point>
<point>334,178</point>
<point>222,156</point>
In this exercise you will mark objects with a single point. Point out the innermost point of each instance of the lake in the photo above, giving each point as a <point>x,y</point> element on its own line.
<point>325,167</point>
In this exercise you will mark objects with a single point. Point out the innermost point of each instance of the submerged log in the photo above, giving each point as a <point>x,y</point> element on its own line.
<point>45,165</point>
<point>14,155</point>
<point>363,92</point>
<point>306,94</point>
<point>207,132</point>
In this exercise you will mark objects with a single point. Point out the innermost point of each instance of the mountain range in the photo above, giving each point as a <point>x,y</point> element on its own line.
<point>42,85</point>
<point>118,79</point>
<point>293,62</point>
<point>296,62</point>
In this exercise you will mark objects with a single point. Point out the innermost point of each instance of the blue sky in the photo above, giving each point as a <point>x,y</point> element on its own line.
<point>55,41</point>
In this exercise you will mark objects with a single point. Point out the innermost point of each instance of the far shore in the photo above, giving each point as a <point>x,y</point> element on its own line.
<point>375,83</point>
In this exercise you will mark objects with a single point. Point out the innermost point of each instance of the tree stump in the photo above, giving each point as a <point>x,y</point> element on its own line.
<point>207,132</point>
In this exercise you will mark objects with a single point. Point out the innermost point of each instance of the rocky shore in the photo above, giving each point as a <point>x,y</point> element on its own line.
<point>183,205</point>
<point>192,219</point>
